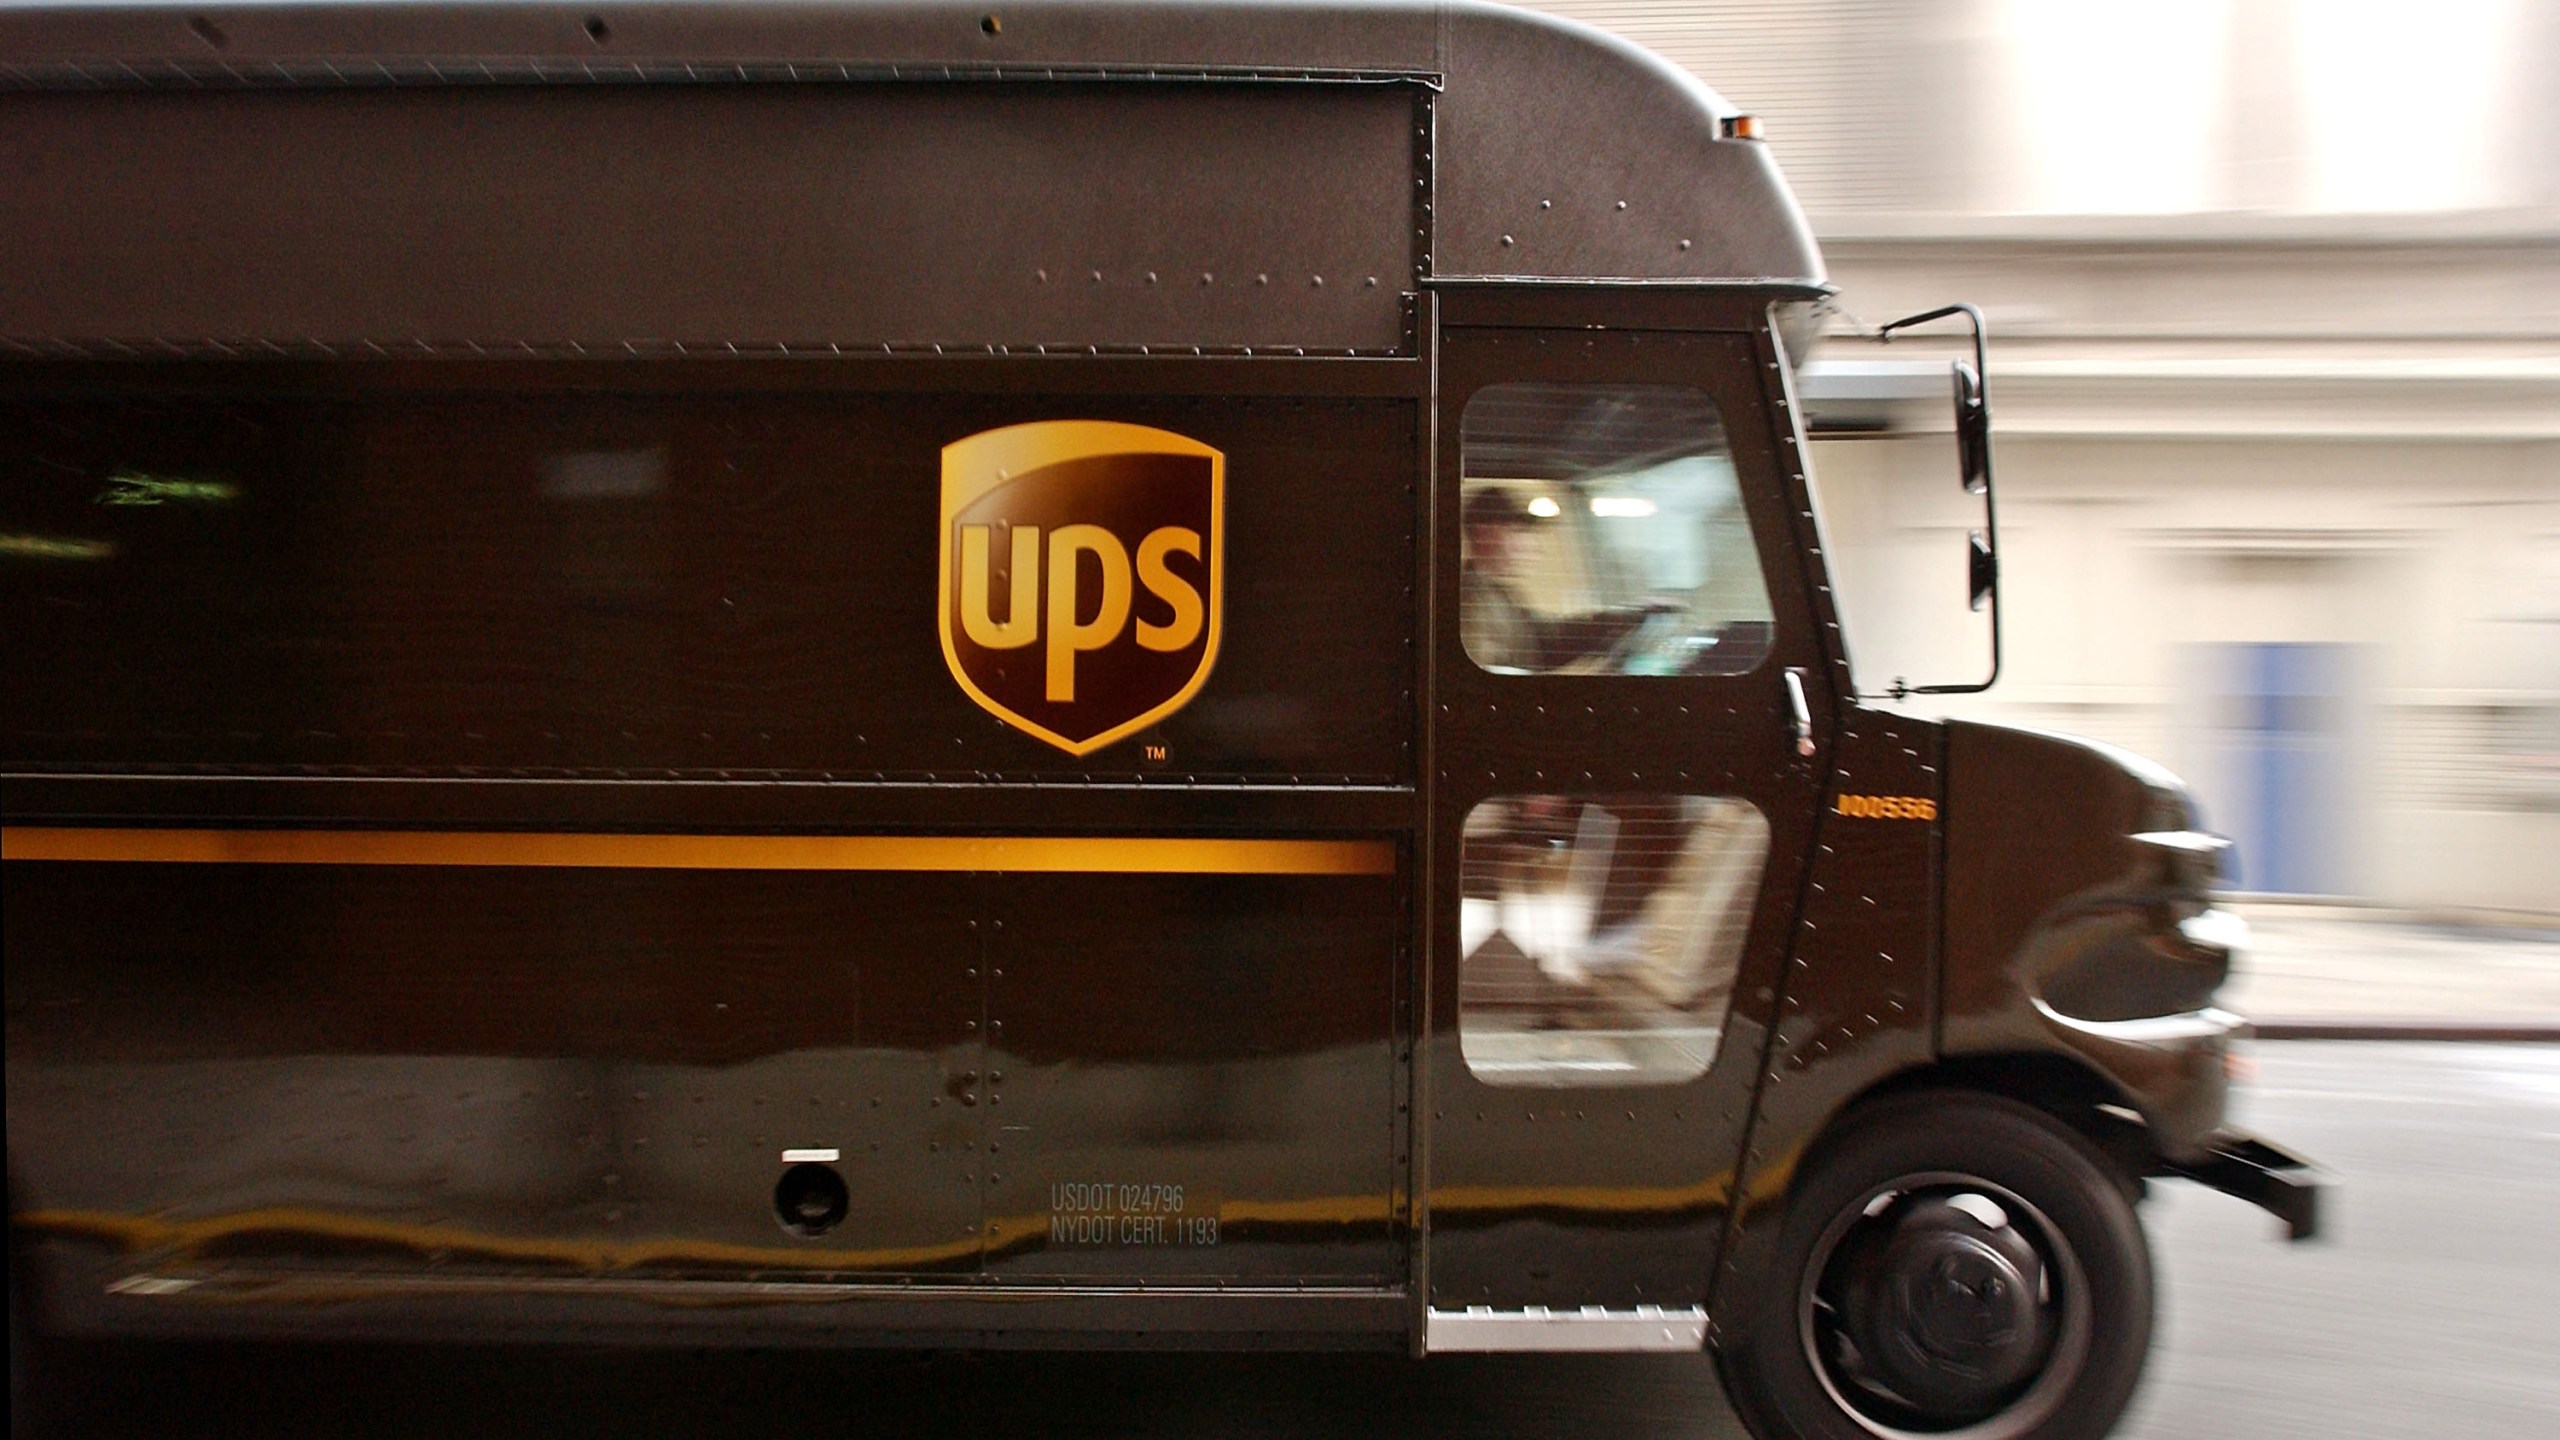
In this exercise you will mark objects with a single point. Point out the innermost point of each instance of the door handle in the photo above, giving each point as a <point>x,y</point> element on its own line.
<point>1803,711</point>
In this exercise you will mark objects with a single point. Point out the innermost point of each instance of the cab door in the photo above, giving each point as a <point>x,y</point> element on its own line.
<point>1630,697</point>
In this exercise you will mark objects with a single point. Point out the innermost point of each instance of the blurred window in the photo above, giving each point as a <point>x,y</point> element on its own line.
<point>1605,535</point>
<point>2523,745</point>
<point>1601,934</point>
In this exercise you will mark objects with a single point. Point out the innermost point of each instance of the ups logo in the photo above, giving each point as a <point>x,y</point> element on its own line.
<point>1081,569</point>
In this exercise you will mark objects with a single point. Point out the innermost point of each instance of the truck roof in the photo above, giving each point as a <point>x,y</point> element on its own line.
<point>1545,150</point>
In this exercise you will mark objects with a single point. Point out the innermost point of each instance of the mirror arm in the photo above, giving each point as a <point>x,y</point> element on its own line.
<point>1971,312</point>
<point>1987,561</point>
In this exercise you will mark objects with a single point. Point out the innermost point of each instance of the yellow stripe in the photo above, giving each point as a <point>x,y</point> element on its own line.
<point>1076,854</point>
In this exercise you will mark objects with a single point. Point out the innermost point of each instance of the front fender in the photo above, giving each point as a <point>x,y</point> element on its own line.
<point>2079,922</point>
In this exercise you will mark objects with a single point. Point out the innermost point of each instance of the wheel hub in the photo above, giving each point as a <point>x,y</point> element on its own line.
<point>1945,1305</point>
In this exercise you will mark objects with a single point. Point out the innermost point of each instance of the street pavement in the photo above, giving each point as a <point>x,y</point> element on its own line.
<point>2431,1308</point>
<point>2426,1314</point>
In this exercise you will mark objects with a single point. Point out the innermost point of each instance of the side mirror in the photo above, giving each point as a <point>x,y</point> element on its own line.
<point>1982,568</point>
<point>1973,460</point>
<point>1973,429</point>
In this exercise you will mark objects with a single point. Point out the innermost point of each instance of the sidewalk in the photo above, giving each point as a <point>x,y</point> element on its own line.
<point>2320,971</point>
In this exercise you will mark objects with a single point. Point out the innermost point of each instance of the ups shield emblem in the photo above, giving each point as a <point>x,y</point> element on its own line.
<point>1082,567</point>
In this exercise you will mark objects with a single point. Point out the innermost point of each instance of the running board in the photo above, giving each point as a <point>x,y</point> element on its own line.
<point>1646,1327</point>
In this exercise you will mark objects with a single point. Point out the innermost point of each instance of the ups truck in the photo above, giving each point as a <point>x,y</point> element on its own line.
<point>1018,675</point>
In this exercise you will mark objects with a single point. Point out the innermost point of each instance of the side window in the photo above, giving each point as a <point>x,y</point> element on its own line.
<point>1605,535</point>
<point>1601,934</point>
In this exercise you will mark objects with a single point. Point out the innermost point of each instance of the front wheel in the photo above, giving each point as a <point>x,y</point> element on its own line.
<point>1956,1266</point>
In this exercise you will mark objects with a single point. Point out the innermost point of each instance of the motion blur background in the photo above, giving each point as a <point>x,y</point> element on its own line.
<point>2274,292</point>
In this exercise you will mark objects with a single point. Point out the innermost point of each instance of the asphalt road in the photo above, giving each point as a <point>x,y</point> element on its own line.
<point>2433,1311</point>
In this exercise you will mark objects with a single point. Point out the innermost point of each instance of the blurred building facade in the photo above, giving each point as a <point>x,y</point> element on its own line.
<point>2274,287</point>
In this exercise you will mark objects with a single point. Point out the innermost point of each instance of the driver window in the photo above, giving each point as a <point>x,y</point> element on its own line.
<point>1604,535</point>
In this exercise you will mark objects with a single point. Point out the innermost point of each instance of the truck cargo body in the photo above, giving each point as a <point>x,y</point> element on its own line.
<point>1095,676</point>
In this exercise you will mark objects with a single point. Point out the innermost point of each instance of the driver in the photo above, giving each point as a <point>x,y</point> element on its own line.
<point>1500,631</point>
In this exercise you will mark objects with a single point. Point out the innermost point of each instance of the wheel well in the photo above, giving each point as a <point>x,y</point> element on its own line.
<point>2072,1093</point>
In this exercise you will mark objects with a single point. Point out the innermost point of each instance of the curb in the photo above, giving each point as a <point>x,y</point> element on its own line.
<point>2501,1031</point>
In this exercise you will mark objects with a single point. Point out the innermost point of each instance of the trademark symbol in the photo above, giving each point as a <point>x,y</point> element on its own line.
<point>1155,752</point>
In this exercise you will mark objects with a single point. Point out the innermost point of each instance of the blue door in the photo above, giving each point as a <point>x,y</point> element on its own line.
<point>2280,726</point>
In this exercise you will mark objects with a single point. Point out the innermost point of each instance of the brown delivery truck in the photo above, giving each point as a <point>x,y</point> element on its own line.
<point>1064,674</point>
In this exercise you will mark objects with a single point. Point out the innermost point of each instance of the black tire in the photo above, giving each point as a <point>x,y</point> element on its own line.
<point>1956,1266</point>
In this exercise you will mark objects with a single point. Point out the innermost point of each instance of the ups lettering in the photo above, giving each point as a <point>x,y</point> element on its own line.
<point>1082,573</point>
<point>1076,617</point>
